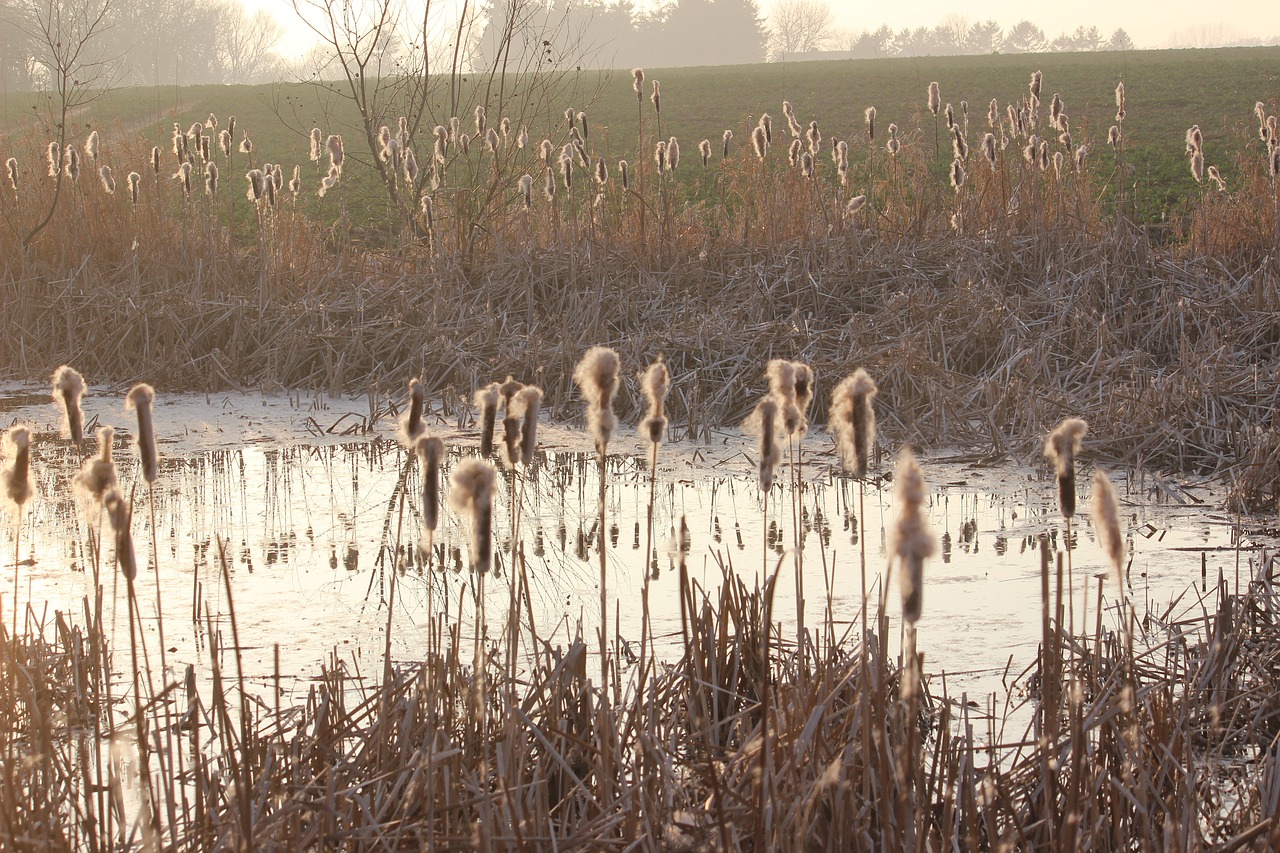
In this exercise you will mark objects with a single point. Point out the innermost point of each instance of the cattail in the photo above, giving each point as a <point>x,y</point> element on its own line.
<point>1058,160</point>
<point>526,190</point>
<point>959,146</point>
<point>1036,78</point>
<point>793,153</point>
<point>178,142</point>
<point>782,385</point>
<point>428,211</point>
<point>108,182</point>
<point>989,149</point>
<point>471,493</point>
<point>957,174</point>
<point>1275,162</point>
<point>481,121</point>
<point>724,144</point>
<point>766,124</point>
<point>545,151</point>
<point>246,145</point>
<point>455,124</point>
<point>73,163</point>
<point>935,99</point>
<point>522,138</point>
<point>528,402</point>
<point>505,127</point>
<point>204,148</point>
<point>763,424</point>
<point>440,148</point>
<point>11,166</point>
<point>1120,101</point>
<point>1197,166</point>
<point>183,176</point>
<point>597,378</point>
<point>295,183</point>
<point>655,383</point>
<point>566,173</point>
<point>673,154</point>
<point>660,156</point>
<point>410,167</point>
<point>602,172</point>
<point>1113,136</point>
<point>256,185</point>
<point>19,485</point>
<point>842,161</point>
<point>704,149</point>
<point>1044,156</point>
<point>949,116</point>
<point>98,473</point>
<point>855,204</point>
<point>465,141</point>
<point>1106,517</point>
<point>637,82</point>
<point>624,174</point>
<point>1055,108</point>
<point>91,146</point>
<point>1216,177</point>
<point>317,144</point>
<point>853,419</point>
<point>787,109</point>
<point>327,183</point>
<point>570,119</point>
<point>224,142</point>
<point>549,185</point>
<point>911,541</point>
<point>1081,153</point>
<point>491,141</point>
<point>870,115</point>
<point>656,97</point>
<point>802,377</point>
<point>815,138</point>
<point>993,114</point>
<point>54,157</point>
<point>135,180</point>
<point>410,426</point>
<point>893,145</point>
<point>486,400</point>
<point>1271,130</point>
<point>68,388</point>
<point>1062,446</point>
<point>337,154</point>
<point>806,164</point>
<point>582,120</point>
<point>759,142</point>
<point>120,515</point>
<point>430,451</point>
<point>231,125</point>
<point>211,178</point>
<point>1195,139</point>
<point>140,398</point>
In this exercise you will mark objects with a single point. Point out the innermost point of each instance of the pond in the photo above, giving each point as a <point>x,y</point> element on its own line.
<point>312,522</point>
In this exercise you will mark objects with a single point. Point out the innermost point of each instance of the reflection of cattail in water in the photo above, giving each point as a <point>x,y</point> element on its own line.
<point>19,485</point>
<point>411,427</point>
<point>853,419</point>
<point>471,493</point>
<point>430,452</point>
<point>597,378</point>
<point>99,473</point>
<point>763,424</point>
<point>1106,516</point>
<point>486,400</point>
<point>912,541</point>
<point>140,398</point>
<point>68,388</point>
<point>655,383</point>
<point>1062,445</point>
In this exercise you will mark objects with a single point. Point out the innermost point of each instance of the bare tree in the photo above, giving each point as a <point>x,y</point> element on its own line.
<point>800,26</point>
<point>248,44</point>
<point>74,72</point>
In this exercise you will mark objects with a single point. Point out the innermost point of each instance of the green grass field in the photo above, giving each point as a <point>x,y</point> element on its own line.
<point>1167,91</point>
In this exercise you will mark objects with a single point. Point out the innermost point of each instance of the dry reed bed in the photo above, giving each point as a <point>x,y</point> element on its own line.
<point>1173,746</point>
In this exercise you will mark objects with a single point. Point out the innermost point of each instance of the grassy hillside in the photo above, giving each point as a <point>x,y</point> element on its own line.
<point>1167,92</point>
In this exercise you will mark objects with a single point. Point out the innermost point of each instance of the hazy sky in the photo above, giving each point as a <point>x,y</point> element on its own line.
<point>1166,23</point>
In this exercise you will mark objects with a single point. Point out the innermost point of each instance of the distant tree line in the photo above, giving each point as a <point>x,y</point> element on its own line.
<point>960,38</point>
<point>146,42</point>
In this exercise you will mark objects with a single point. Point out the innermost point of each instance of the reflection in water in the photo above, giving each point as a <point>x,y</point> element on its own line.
<point>312,534</point>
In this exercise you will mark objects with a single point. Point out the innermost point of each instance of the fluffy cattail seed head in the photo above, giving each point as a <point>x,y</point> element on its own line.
<point>597,378</point>
<point>411,426</point>
<point>1106,517</point>
<point>120,515</point>
<point>528,403</point>
<point>68,389</point>
<point>870,115</point>
<point>853,419</point>
<point>655,383</point>
<point>471,494</point>
<point>1061,447</point>
<point>430,452</point>
<point>763,424</point>
<point>19,485</point>
<point>139,399</point>
<point>704,149</point>
<point>134,181</point>
<point>637,82</point>
<point>656,97</point>
<point>108,182</point>
<point>758,142</point>
<point>98,474</point>
<point>486,400</point>
<point>935,99</point>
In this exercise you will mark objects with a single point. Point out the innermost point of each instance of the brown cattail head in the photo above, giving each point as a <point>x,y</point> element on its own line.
<point>763,424</point>
<point>660,156</point>
<point>704,149</point>
<point>870,115</point>
<point>1036,78</point>
<point>656,97</point>
<point>120,514</point>
<point>766,124</point>
<point>959,145</point>
<point>135,180</point>
<point>99,473</point>
<point>140,398</point>
<point>1113,136</point>
<point>793,152</point>
<point>602,172</point>
<point>486,400</point>
<point>481,121</point>
<point>1106,516</point>
<point>471,493</point>
<point>624,174</point>
<point>211,178</point>
<point>950,116</point>
<point>411,426</point>
<point>492,142</point>
<point>1120,101</point>
<point>529,402</point>
<point>68,389</point>
<point>1062,446</point>
<point>725,138</point>
<point>19,485</point>
<point>759,143</point>
<point>957,174</point>
<point>73,163</point>
<point>803,377</point>
<point>430,452</point>
<point>782,386</point>
<point>911,540</point>
<point>637,82</point>
<point>655,383</point>
<point>935,99</point>
<point>673,154</point>
<point>853,420</point>
<point>91,146</point>
<point>597,378</point>
<point>526,190</point>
